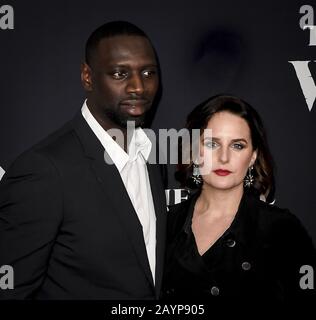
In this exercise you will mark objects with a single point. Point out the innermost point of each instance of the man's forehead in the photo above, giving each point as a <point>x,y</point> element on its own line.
<point>126,46</point>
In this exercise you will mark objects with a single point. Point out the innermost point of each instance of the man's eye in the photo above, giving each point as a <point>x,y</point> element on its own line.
<point>238,146</point>
<point>149,73</point>
<point>119,75</point>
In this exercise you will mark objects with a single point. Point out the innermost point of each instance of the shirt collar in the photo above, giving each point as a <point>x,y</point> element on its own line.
<point>139,142</point>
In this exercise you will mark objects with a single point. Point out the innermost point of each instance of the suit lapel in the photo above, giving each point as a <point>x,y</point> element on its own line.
<point>114,190</point>
<point>158,193</point>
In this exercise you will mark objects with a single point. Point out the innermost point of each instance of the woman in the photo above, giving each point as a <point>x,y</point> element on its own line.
<point>225,241</point>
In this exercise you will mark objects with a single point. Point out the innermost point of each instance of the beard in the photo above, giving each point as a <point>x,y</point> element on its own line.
<point>120,118</point>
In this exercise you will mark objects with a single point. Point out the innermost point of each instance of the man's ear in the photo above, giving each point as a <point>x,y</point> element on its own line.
<point>86,76</point>
<point>253,158</point>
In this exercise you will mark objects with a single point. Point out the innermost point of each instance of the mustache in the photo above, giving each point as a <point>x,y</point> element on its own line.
<point>135,99</point>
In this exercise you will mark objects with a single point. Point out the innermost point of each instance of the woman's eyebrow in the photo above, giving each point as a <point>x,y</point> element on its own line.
<point>218,139</point>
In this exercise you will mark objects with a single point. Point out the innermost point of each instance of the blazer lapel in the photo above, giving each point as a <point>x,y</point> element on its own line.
<point>158,193</point>
<point>114,190</point>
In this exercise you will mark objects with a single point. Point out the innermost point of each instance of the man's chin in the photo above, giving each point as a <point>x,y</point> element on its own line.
<point>122,120</point>
<point>137,122</point>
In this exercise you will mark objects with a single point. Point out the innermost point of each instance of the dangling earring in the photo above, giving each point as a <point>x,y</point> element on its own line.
<point>196,177</point>
<point>249,179</point>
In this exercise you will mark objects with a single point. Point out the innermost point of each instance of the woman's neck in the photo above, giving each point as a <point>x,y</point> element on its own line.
<point>217,202</point>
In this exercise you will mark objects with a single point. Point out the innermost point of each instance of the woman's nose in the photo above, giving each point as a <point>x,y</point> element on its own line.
<point>224,155</point>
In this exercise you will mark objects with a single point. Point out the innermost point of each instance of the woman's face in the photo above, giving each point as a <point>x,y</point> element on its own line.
<point>231,151</point>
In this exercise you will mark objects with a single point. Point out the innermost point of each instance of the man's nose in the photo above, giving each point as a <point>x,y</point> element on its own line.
<point>135,85</point>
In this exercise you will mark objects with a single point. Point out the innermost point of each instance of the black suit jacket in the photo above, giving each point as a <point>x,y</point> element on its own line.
<point>68,227</point>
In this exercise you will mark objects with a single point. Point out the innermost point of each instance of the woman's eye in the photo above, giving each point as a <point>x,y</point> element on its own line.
<point>238,146</point>
<point>211,144</point>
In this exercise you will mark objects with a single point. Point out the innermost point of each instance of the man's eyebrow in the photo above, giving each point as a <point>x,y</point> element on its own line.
<point>127,65</point>
<point>151,65</point>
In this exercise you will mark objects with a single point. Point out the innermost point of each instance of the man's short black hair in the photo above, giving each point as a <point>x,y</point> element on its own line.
<point>108,30</point>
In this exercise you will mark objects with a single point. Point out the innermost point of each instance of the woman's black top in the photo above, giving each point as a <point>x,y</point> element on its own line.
<point>261,255</point>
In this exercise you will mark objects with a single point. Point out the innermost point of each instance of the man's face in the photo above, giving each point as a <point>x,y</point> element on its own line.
<point>122,80</point>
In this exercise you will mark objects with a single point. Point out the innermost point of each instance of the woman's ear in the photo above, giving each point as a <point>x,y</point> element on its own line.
<point>253,158</point>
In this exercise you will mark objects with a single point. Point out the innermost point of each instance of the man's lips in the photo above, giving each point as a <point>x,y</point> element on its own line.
<point>135,107</point>
<point>134,102</point>
<point>221,172</point>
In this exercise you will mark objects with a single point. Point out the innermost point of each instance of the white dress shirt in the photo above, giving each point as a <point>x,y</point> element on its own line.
<point>133,170</point>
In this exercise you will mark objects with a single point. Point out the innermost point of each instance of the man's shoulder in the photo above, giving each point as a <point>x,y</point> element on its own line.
<point>55,141</point>
<point>62,144</point>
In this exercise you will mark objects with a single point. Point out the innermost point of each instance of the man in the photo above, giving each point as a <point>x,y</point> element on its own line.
<point>72,225</point>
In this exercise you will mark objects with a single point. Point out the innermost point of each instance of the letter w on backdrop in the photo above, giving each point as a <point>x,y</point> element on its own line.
<point>306,80</point>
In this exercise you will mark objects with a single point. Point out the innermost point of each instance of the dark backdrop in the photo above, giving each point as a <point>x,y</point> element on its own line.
<point>205,47</point>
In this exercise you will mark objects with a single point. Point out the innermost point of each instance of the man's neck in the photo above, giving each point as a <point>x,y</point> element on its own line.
<point>117,133</point>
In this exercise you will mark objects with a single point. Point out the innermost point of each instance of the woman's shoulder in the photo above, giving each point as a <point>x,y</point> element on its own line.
<point>177,209</point>
<point>279,224</point>
<point>179,213</point>
<point>272,215</point>
<point>180,207</point>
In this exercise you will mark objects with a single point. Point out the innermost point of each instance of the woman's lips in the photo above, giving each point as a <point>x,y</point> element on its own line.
<point>221,172</point>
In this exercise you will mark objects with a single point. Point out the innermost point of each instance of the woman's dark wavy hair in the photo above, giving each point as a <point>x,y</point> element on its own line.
<point>263,166</point>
